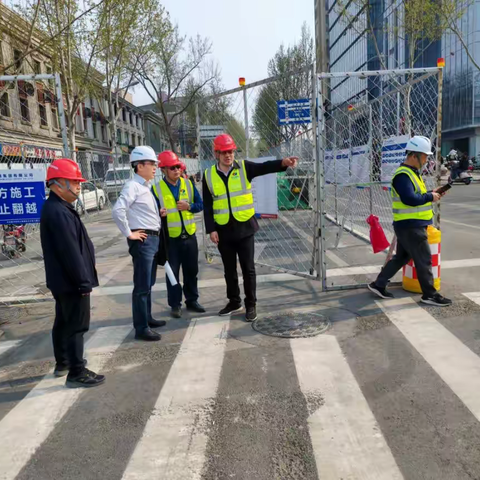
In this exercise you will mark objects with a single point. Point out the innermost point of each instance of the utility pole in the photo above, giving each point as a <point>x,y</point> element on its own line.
<point>321,36</point>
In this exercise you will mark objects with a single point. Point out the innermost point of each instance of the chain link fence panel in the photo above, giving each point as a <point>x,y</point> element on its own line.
<point>365,121</point>
<point>270,120</point>
<point>32,135</point>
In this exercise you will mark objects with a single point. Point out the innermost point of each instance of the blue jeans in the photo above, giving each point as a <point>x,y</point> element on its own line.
<point>183,253</point>
<point>144,277</point>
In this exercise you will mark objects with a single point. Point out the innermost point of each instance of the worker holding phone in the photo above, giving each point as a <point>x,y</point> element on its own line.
<point>412,213</point>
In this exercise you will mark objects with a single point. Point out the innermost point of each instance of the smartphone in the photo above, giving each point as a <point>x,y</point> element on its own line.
<point>444,188</point>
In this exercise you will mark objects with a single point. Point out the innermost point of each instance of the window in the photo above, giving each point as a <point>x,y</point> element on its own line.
<point>16,57</point>
<point>138,122</point>
<point>42,110</point>
<point>119,136</point>
<point>131,118</point>
<point>23,98</point>
<point>4,105</point>
<point>133,141</point>
<point>139,140</point>
<point>103,133</point>
<point>94,124</point>
<point>54,116</point>
<point>37,68</point>
<point>85,119</point>
<point>124,115</point>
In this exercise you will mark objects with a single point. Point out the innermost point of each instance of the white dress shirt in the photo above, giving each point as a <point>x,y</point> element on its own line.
<point>136,207</point>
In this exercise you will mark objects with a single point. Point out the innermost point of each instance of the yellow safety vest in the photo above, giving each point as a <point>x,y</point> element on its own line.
<point>406,212</point>
<point>174,217</point>
<point>239,197</point>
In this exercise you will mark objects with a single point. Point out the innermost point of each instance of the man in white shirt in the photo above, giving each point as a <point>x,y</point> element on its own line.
<point>136,215</point>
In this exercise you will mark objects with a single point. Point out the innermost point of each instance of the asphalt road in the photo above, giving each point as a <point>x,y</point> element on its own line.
<point>389,391</point>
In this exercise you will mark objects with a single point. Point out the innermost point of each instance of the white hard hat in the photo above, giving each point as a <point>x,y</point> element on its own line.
<point>142,153</point>
<point>419,144</point>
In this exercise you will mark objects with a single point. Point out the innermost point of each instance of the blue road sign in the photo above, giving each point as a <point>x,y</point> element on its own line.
<point>294,111</point>
<point>22,194</point>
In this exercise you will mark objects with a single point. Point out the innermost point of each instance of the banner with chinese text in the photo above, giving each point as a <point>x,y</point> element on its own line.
<point>22,194</point>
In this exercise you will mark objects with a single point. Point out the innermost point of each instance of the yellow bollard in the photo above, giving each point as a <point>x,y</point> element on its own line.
<point>410,281</point>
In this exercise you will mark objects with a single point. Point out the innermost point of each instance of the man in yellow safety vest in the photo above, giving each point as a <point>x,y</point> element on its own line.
<point>230,218</point>
<point>412,213</point>
<point>179,200</point>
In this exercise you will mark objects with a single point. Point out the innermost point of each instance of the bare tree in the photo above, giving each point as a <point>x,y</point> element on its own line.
<point>173,71</point>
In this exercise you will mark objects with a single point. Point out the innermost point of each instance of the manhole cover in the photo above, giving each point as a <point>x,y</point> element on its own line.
<point>292,325</point>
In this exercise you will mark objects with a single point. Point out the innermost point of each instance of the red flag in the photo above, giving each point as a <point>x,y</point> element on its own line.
<point>377,235</point>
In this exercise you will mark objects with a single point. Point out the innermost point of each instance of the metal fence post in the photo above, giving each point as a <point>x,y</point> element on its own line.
<point>61,114</point>
<point>320,181</point>
<point>439,138</point>
<point>247,133</point>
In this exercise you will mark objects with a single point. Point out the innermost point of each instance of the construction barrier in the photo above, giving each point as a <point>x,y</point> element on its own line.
<point>410,279</point>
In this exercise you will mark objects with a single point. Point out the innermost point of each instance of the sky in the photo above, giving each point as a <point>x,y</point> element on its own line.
<point>245,33</point>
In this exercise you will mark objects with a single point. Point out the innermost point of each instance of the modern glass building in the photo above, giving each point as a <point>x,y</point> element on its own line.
<point>352,46</point>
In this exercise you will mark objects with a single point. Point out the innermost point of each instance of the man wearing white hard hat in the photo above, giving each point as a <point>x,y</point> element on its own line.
<point>412,214</point>
<point>136,215</point>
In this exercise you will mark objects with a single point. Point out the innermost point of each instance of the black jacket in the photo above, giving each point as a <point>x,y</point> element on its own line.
<point>67,250</point>
<point>235,230</point>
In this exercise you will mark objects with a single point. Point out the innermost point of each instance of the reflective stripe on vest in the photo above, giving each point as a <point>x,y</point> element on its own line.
<point>401,211</point>
<point>239,198</point>
<point>174,217</point>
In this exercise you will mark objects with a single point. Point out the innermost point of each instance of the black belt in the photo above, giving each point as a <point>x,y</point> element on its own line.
<point>154,233</point>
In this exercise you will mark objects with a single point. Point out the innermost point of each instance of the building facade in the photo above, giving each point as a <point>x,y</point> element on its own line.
<point>355,42</point>
<point>29,121</point>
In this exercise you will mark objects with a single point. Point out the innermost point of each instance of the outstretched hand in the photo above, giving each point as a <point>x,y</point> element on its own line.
<point>290,162</point>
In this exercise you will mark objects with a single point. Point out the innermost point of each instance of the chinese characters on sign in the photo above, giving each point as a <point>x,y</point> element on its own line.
<point>22,193</point>
<point>294,111</point>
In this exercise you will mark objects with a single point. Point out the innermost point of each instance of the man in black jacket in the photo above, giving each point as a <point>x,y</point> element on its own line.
<point>230,218</point>
<point>70,270</point>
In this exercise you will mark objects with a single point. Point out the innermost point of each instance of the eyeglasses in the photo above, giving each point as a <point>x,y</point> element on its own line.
<point>175,167</point>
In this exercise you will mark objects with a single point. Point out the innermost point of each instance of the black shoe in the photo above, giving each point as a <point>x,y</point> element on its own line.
<point>86,379</point>
<point>148,336</point>
<point>62,370</point>
<point>251,314</point>
<point>195,307</point>
<point>176,312</point>
<point>437,300</point>
<point>380,292</point>
<point>229,309</point>
<point>156,323</point>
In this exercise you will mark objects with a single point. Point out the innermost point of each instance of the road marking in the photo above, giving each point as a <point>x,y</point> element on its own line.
<point>454,362</point>
<point>32,420</point>
<point>174,441</point>
<point>121,264</point>
<point>463,206</point>
<point>459,224</point>
<point>346,438</point>
<point>473,296</point>
<point>5,346</point>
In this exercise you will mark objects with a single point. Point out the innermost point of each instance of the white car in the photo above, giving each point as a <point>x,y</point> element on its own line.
<point>91,198</point>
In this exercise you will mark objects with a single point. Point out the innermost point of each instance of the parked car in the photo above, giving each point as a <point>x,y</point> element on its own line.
<point>115,180</point>
<point>91,198</point>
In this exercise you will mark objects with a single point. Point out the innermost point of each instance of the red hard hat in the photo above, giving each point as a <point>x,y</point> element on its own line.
<point>168,159</point>
<point>224,143</point>
<point>64,168</point>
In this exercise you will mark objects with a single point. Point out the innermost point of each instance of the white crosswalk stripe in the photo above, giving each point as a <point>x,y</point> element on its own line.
<point>454,362</point>
<point>5,346</point>
<point>174,441</point>
<point>343,423</point>
<point>32,420</point>
<point>345,436</point>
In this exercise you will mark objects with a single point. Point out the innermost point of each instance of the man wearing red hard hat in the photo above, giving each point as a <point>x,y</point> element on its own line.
<point>70,270</point>
<point>230,218</point>
<point>179,200</point>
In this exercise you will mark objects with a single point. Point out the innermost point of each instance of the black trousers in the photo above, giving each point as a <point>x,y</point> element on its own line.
<point>72,321</point>
<point>245,249</point>
<point>184,253</point>
<point>411,243</point>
